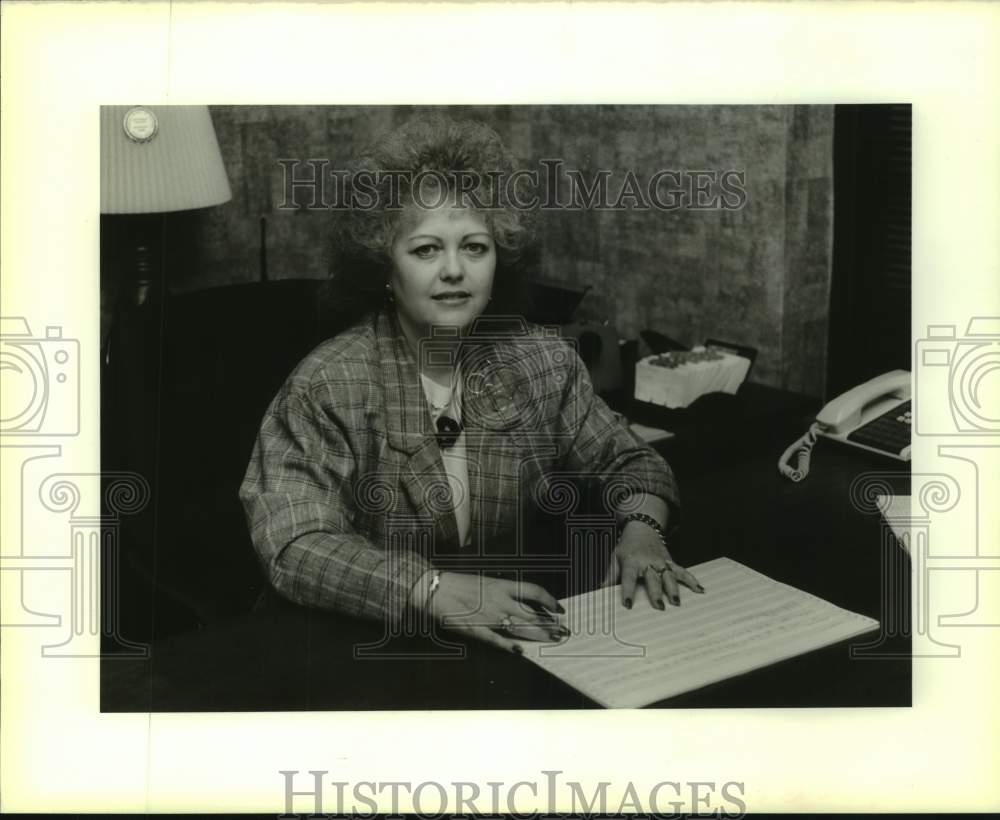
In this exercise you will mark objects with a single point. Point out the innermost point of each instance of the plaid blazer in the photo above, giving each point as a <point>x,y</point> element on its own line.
<point>346,496</point>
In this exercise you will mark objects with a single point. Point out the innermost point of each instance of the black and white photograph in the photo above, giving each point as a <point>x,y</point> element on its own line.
<point>505,407</point>
<point>499,408</point>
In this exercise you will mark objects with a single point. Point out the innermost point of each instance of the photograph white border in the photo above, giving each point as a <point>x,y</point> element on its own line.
<point>60,62</point>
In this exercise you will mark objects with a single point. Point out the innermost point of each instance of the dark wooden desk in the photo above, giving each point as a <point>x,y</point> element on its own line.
<point>809,535</point>
<point>720,429</point>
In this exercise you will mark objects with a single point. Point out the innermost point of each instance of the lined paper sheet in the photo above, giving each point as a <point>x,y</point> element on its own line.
<point>744,621</point>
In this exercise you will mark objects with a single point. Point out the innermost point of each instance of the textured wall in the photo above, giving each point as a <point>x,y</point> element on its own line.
<point>759,275</point>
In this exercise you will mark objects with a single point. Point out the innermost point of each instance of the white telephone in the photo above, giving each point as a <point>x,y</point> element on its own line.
<point>874,416</point>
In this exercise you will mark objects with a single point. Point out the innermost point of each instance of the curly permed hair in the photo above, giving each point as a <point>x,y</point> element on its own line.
<point>438,150</point>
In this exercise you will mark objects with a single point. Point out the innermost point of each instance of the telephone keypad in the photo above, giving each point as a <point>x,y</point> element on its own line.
<point>889,433</point>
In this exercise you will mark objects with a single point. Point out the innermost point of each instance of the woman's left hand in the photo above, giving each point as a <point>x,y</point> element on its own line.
<point>641,555</point>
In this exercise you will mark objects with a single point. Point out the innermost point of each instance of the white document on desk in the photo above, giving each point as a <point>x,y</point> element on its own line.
<point>744,621</point>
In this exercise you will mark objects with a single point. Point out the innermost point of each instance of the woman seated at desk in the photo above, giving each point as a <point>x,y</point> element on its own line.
<point>416,433</point>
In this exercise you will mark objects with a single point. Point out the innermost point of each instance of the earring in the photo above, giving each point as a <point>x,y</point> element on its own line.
<point>388,293</point>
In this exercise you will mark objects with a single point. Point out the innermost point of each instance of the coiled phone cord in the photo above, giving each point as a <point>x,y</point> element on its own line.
<point>804,448</point>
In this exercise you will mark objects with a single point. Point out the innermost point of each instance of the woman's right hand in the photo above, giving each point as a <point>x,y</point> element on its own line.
<point>495,610</point>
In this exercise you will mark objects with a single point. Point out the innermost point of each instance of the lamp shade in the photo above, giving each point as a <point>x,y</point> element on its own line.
<point>160,158</point>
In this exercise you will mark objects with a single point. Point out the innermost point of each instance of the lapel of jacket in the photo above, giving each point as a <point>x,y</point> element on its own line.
<point>409,431</point>
<point>498,412</point>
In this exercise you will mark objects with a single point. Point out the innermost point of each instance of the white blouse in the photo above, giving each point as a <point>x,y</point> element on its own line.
<point>440,398</point>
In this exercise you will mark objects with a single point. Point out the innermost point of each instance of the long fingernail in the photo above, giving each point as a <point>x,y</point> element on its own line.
<point>676,600</point>
<point>516,649</point>
<point>559,608</point>
<point>660,605</point>
<point>701,588</point>
<point>628,603</point>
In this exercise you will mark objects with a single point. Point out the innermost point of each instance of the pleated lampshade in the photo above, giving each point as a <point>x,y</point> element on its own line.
<point>160,158</point>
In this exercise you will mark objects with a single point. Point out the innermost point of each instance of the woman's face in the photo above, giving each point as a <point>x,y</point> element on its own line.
<point>442,268</point>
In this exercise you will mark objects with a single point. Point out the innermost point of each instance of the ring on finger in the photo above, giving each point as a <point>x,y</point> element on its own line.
<point>506,623</point>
